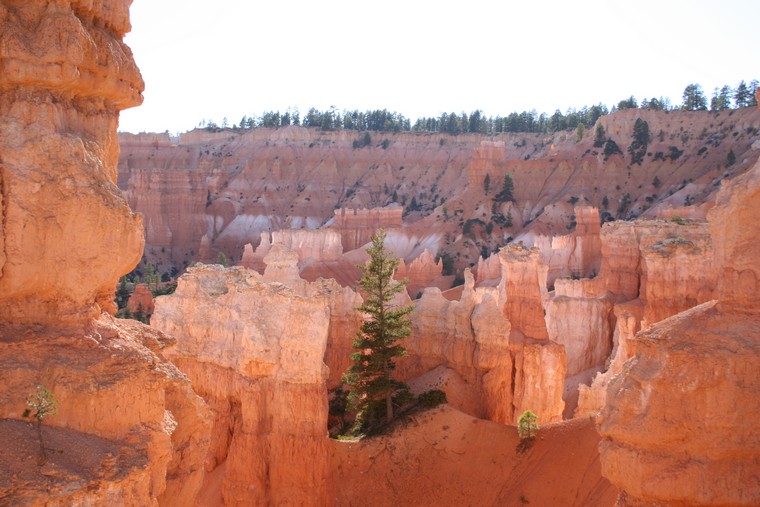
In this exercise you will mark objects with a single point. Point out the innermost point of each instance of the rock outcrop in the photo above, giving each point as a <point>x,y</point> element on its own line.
<point>665,268</point>
<point>254,350</point>
<point>112,382</point>
<point>524,281</point>
<point>66,236</point>
<point>141,300</point>
<point>357,226</point>
<point>421,273</point>
<point>679,420</point>
<point>576,255</point>
<point>65,75</point>
<point>503,373</point>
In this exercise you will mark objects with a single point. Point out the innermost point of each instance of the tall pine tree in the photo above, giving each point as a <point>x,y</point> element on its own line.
<point>377,343</point>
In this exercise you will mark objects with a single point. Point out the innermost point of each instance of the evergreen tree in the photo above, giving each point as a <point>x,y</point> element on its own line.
<point>376,344</point>
<point>506,190</point>
<point>641,138</point>
<point>752,93</point>
<point>721,100</point>
<point>599,136</point>
<point>629,103</point>
<point>693,98</point>
<point>487,183</point>
<point>122,293</point>
<point>742,95</point>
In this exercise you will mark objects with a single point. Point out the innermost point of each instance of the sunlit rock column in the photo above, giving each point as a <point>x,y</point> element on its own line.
<point>66,232</point>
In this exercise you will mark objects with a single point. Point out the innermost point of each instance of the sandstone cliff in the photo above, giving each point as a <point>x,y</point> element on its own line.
<point>650,270</point>
<point>682,410</point>
<point>233,185</point>
<point>502,374</point>
<point>67,235</point>
<point>65,75</point>
<point>255,350</point>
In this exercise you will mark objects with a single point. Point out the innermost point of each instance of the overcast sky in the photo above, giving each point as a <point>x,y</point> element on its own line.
<point>229,58</point>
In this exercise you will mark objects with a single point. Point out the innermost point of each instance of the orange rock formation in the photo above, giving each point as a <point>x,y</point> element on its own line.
<point>524,281</point>
<point>141,300</point>
<point>684,407</point>
<point>234,185</point>
<point>254,348</point>
<point>357,226</point>
<point>66,236</point>
<point>502,373</point>
<point>66,74</point>
<point>423,272</point>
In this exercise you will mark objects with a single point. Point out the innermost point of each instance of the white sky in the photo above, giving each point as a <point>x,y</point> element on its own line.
<point>207,60</point>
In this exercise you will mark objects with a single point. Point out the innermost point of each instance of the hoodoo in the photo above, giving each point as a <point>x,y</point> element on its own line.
<point>66,236</point>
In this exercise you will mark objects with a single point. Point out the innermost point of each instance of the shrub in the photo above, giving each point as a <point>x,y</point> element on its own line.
<point>432,398</point>
<point>467,228</point>
<point>610,148</point>
<point>674,153</point>
<point>731,158</point>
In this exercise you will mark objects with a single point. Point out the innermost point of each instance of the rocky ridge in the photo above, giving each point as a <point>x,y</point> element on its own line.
<point>231,186</point>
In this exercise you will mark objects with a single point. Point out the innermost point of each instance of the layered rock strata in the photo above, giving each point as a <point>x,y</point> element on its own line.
<point>683,408</point>
<point>357,226</point>
<point>254,348</point>
<point>66,236</point>
<point>65,75</point>
<point>234,184</point>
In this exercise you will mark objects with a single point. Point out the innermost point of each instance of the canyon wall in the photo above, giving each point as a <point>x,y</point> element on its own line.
<point>67,235</point>
<point>232,185</point>
<point>683,407</point>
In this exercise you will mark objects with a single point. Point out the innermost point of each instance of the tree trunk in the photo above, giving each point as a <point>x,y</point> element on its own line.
<point>388,397</point>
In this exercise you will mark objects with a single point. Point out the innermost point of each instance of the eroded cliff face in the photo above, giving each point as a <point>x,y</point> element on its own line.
<point>233,185</point>
<point>254,350</point>
<point>67,235</point>
<point>488,371</point>
<point>650,270</point>
<point>65,75</point>
<point>679,420</point>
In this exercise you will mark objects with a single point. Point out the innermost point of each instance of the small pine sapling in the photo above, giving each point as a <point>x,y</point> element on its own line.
<point>527,426</point>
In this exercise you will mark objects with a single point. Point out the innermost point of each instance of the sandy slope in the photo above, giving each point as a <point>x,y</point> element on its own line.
<point>444,457</point>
